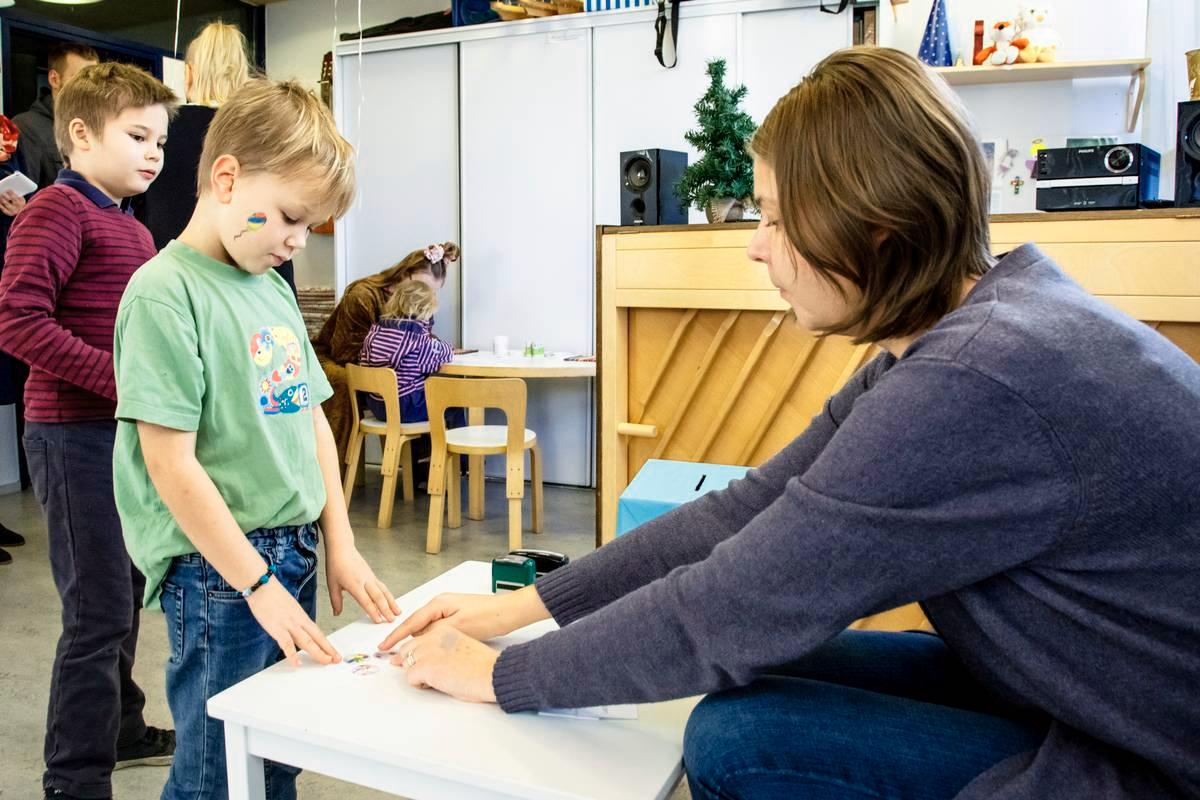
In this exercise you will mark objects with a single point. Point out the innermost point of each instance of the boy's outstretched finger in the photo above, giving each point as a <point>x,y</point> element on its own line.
<point>383,600</point>
<point>362,595</point>
<point>289,650</point>
<point>318,646</point>
<point>391,598</point>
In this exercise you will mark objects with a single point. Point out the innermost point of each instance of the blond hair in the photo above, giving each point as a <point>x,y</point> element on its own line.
<point>280,129</point>
<point>100,93</point>
<point>219,65</point>
<point>411,300</point>
<point>882,183</point>
<point>412,264</point>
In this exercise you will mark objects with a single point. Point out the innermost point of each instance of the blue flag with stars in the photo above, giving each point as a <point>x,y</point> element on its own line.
<point>935,45</point>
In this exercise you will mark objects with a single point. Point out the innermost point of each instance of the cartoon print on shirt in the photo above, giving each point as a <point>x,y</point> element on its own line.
<point>279,357</point>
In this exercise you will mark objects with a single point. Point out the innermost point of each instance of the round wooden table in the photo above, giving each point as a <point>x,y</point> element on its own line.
<point>489,365</point>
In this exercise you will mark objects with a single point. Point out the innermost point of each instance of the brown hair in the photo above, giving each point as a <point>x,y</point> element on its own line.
<point>881,182</point>
<point>56,58</point>
<point>219,65</point>
<point>411,299</point>
<point>279,128</point>
<point>412,264</point>
<point>100,93</point>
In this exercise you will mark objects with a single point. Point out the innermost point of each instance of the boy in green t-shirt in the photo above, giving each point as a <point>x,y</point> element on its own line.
<point>224,462</point>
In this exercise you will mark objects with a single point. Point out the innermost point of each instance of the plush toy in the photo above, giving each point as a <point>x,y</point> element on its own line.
<point>1005,47</point>
<point>1034,25</point>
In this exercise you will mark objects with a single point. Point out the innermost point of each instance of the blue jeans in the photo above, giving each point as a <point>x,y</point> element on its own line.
<point>215,643</point>
<point>869,714</point>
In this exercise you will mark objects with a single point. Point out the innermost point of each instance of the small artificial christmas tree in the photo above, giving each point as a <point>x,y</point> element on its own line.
<point>725,171</point>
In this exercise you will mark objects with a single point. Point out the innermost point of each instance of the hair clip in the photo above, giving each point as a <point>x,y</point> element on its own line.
<point>434,253</point>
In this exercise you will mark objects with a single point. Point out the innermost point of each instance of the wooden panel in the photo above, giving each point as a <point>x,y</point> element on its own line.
<point>712,268</point>
<point>699,298</point>
<point>1127,268</point>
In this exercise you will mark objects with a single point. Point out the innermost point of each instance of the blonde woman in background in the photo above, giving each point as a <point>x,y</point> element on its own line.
<point>215,67</point>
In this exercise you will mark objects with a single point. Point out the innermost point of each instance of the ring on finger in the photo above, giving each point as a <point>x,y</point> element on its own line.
<point>409,660</point>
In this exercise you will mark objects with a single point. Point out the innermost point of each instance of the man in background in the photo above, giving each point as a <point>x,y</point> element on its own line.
<point>36,151</point>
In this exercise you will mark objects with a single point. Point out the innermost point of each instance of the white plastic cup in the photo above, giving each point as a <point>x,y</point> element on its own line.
<point>500,345</point>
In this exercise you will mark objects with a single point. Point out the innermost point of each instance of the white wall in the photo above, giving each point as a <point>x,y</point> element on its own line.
<point>299,33</point>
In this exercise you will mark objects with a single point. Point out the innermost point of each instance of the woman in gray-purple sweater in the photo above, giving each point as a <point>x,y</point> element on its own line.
<point>1022,458</point>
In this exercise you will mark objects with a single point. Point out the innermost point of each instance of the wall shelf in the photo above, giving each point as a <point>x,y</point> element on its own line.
<point>1132,68</point>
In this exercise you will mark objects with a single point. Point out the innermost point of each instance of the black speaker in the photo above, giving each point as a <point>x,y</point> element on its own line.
<point>1187,155</point>
<point>648,187</point>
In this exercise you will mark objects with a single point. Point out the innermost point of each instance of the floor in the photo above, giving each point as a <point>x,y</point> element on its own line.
<point>29,610</point>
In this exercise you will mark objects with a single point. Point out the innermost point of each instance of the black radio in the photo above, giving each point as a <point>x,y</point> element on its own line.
<point>1096,177</point>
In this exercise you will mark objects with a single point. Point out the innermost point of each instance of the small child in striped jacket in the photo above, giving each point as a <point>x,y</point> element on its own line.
<point>403,340</point>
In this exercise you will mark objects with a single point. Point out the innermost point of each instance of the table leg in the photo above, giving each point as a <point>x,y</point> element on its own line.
<point>475,479</point>
<point>245,772</point>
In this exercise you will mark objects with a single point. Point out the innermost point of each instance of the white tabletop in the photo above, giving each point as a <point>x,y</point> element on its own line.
<point>515,365</point>
<point>376,730</point>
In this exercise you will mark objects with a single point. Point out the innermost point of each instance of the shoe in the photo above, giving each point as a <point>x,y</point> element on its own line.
<point>10,538</point>
<point>155,749</point>
<point>59,794</point>
<point>5,556</point>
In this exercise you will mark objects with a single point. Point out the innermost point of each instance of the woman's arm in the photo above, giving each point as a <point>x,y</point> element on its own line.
<point>917,495</point>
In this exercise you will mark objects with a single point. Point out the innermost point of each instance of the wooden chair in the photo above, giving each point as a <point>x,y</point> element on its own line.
<point>397,436</point>
<point>512,440</point>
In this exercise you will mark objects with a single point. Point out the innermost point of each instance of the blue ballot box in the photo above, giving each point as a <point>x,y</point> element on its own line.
<point>659,486</point>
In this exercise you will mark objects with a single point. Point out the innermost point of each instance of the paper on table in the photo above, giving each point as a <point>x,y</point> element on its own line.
<point>18,183</point>
<point>627,711</point>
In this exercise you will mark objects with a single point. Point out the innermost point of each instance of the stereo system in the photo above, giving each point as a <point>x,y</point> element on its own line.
<point>648,180</point>
<point>1108,176</point>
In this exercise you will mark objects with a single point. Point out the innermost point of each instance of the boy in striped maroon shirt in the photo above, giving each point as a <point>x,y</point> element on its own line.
<point>70,254</point>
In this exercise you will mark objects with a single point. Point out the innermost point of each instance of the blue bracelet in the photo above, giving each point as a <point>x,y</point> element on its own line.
<point>266,576</point>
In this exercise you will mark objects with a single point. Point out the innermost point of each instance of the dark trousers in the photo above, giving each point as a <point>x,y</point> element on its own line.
<point>95,706</point>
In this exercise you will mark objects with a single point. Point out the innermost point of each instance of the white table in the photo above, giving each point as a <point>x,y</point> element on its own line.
<point>486,364</point>
<point>375,730</point>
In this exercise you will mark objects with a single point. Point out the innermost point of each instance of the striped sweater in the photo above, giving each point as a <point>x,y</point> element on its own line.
<point>70,254</point>
<point>407,346</point>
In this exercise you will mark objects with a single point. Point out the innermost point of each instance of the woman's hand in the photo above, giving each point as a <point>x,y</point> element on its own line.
<point>346,570</point>
<point>11,203</point>
<point>480,616</point>
<point>451,662</point>
<point>287,623</point>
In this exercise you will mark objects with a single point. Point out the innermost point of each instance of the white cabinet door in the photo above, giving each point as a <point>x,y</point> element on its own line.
<point>779,48</point>
<point>406,132</point>
<point>526,220</point>
<point>640,105</point>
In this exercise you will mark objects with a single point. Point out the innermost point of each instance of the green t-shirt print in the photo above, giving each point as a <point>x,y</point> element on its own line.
<point>202,346</point>
<point>280,359</point>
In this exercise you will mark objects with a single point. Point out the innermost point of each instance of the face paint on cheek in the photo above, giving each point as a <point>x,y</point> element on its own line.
<point>253,222</point>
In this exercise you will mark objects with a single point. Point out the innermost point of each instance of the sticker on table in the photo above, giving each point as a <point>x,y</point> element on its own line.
<point>356,658</point>
<point>384,655</point>
<point>362,670</point>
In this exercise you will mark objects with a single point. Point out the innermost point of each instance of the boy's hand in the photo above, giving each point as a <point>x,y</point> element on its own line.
<point>285,621</point>
<point>11,203</point>
<point>346,570</point>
